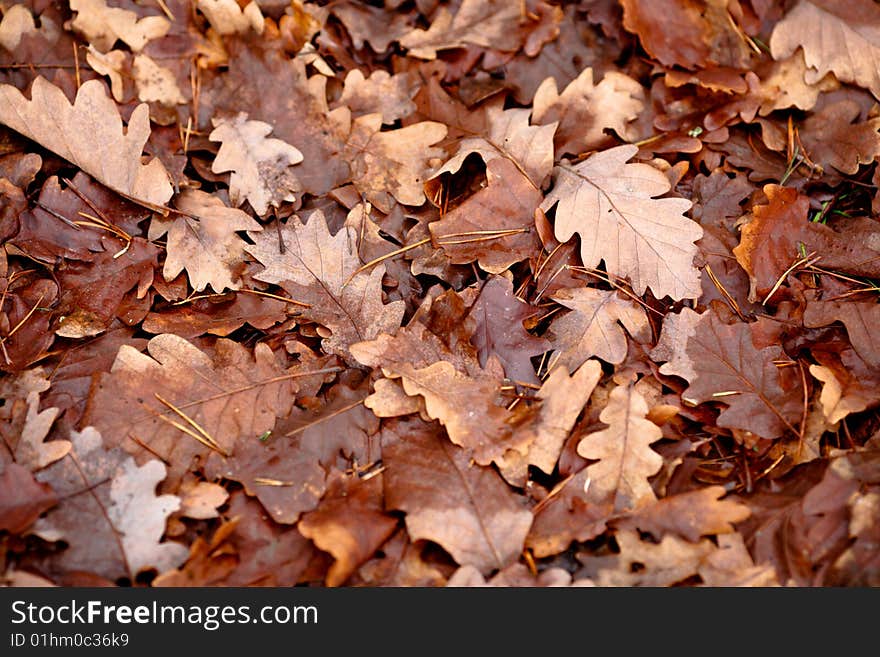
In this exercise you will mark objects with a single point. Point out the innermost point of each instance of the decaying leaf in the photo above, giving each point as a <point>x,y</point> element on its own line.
<point>116,530</point>
<point>260,166</point>
<point>613,207</point>
<point>102,26</point>
<point>228,17</point>
<point>389,95</point>
<point>89,134</point>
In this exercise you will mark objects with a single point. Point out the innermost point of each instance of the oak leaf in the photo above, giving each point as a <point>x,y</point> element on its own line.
<point>466,508</point>
<point>230,17</point>
<point>31,451</point>
<point>22,498</point>
<point>861,319</point>
<point>260,166</point>
<point>584,110</point>
<point>392,165</point>
<point>156,83</point>
<point>612,206</point>
<point>509,136</point>
<point>837,398</point>
<point>383,93</point>
<point>17,21</point>
<point>595,327</point>
<point>116,530</point>
<point>835,37</point>
<point>623,450</point>
<point>323,270</point>
<point>102,26</point>
<point>499,331</point>
<point>202,240</point>
<point>89,134</point>
<point>229,394</point>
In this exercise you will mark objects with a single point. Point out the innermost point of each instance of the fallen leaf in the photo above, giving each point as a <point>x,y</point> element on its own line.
<point>32,451</point>
<point>102,26</point>
<point>860,319</point>
<point>89,135</point>
<point>612,206</point>
<point>116,530</point>
<point>466,508</point>
<point>383,93</point>
<point>322,270</point>
<point>584,111</point>
<point>201,501</point>
<point>625,458</point>
<point>156,83</point>
<point>228,17</point>
<point>22,498</point>
<point>202,240</point>
<point>260,166</point>
<point>595,327</point>
<point>17,21</point>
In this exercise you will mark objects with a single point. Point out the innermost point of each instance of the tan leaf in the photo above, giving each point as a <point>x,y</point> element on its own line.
<point>838,37</point>
<point>260,166</point>
<point>320,269</point>
<point>228,394</point>
<point>228,17</point>
<point>116,529</point>
<point>156,83</point>
<point>389,95</point>
<point>612,206</point>
<point>394,164</point>
<point>389,399</point>
<point>201,500</point>
<point>584,110</point>
<point>625,458</point>
<point>732,565</point>
<point>89,134</point>
<point>692,514</point>
<point>784,86</point>
<point>17,21</point>
<point>113,64</point>
<point>203,241</point>
<point>596,326</point>
<point>488,23</point>
<point>31,451</point>
<point>678,329</point>
<point>836,403</point>
<point>102,26</point>
<point>510,136</point>
<point>464,507</point>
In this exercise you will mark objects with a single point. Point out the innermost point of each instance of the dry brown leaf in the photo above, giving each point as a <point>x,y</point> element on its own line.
<point>836,403</point>
<point>488,23</point>
<point>113,64</point>
<point>201,500</point>
<point>388,166</point>
<point>466,508</point>
<point>624,454</point>
<point>383,93</point>
<point>230,17</point>
<point>861,319</point>
<point>156,83</point>
<point>840,38</point>
<point>230,394</point>
<point>322,270</point>
<point>31,451</point>
<point>612,206</point>
<point>89,134</point>
<point>784,86</point>
<point>595,327</point>
<point>116,530</point>
<point>510,136</point>
<point>22,498</point>
<point>102,26</point>
<point>260,166</point>
<point>585,110</point>
<point>202,240</point>
<point>17,22</point>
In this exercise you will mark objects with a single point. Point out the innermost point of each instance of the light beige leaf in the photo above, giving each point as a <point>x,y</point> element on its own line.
<point>836,403</point>
<point>488,23</point>
<point>389,399</point>
<point>17,21</point>
<point>840,37</point>
<point>319,269</point>
<point>612,206</point>
<point>624,454</point>
<point>116,529</point>
<point>228,17</point>
<point>785,86</point>
<point>596,326</point>
<point>584,110</point>
<point>510,136</point>
<point>112,64</point>
<point>31,451</point>
<point>102,26</point>
<point>156,83</point>
<point>677,331</point>
<point>201,500</point>
<point>389,95</point>
<point>260,166</point>
<point>89,134</point>
<point>394,164</point>
<point>203,240</point>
